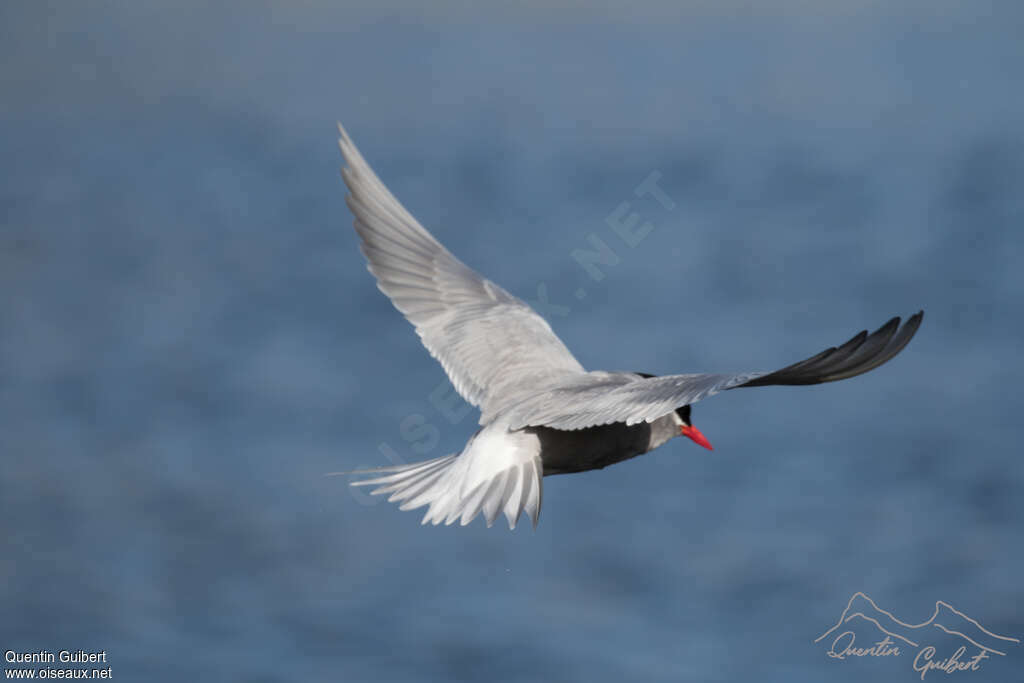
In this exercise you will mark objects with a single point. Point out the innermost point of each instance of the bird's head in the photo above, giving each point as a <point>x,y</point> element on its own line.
<point>687,429</point>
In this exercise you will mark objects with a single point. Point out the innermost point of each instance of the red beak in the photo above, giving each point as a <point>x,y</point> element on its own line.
<point>694,434</point>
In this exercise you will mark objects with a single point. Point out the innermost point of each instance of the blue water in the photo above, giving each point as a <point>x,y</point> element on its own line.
<point>189,340</point>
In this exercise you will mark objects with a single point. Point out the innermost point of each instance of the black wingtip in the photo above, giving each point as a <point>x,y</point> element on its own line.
<point>862,353</point>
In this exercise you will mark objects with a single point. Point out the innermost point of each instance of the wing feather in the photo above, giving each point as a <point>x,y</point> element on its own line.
<point>860,354</point>
<point>599,398</point>
<point>493,346</point>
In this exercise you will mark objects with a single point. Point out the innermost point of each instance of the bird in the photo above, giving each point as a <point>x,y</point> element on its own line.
<point>541,412</point>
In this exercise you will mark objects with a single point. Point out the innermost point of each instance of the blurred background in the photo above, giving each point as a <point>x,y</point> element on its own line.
<point>189,339</point>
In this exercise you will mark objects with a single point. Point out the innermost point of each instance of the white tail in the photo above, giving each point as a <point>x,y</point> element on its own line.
<point>446,485</point>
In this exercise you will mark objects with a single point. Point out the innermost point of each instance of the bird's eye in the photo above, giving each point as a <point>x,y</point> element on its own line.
<point>684,413</point>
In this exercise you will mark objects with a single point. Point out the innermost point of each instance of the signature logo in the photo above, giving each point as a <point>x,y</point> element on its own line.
<point>949,641</point>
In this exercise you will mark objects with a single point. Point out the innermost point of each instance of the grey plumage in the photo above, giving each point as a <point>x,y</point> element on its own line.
<point>541,412</point>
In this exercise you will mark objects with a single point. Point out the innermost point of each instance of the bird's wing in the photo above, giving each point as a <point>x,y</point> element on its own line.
<point>602,398</point>
<point>491,344</point>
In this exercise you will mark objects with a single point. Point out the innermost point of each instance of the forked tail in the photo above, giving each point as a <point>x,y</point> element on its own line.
<point>441,484</point>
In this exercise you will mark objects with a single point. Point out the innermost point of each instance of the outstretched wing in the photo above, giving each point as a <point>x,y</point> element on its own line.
<point>863,352</point>
<point>603,398</point>
<point>491,344</point>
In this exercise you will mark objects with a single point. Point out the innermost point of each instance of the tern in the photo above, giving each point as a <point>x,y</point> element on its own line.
<point>541,412</point>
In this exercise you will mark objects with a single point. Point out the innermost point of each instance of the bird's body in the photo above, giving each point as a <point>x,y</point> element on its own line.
<point>594,448</point>
<point>500,468</point>
<point>541,412</point>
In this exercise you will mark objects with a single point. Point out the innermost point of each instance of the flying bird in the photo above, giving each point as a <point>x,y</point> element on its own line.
<point>541,412</point>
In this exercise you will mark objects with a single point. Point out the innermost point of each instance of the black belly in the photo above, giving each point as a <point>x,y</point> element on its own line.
<point>579,450</point>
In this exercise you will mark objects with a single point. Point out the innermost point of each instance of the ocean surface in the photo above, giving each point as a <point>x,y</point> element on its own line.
<point>189,340</point>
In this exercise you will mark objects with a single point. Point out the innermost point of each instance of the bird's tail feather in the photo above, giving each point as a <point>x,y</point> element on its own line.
<point>439,484</point>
